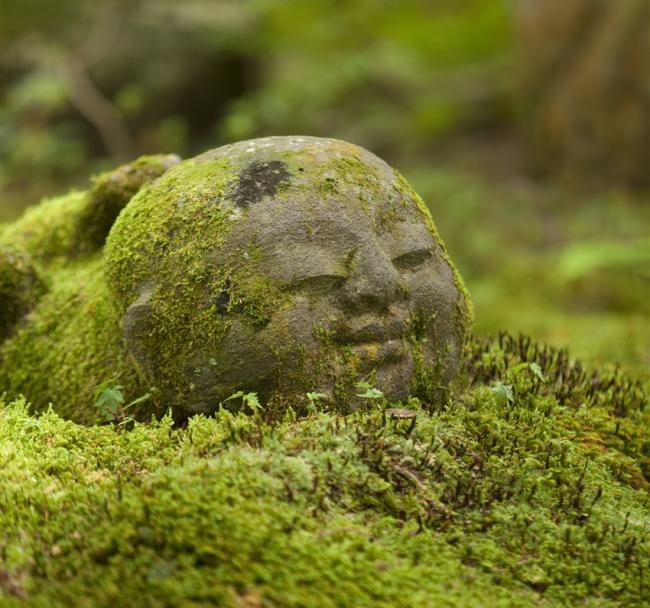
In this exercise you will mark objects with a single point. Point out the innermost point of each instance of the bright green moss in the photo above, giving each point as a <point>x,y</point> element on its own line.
<point>78,223</point>
<point>71,341</point>
<point>71,344</point>
<point>46,231</point>
<point>109,194</point>
<point>161,224</point>
<point>482,502</point>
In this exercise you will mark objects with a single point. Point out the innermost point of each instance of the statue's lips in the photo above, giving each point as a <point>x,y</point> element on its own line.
<point>370,329</point>
<point>372,354</point>
<point>374,339</point>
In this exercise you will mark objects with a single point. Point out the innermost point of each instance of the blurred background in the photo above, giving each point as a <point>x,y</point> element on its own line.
<point>524,124</point>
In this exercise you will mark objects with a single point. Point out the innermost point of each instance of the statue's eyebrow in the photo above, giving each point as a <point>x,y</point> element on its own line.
<point>293,262</point>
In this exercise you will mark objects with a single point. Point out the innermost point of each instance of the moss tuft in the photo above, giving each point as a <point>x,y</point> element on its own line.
<point>111,191</point>
<point>78,223</point>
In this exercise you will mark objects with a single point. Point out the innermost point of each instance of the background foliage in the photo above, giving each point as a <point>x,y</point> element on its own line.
<point>449,92</point>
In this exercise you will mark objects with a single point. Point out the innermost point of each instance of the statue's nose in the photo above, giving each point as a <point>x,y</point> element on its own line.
<point>373,281</point>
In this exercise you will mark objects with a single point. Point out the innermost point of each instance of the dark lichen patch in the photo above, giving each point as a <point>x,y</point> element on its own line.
<point>260,179</point>
<point>221,301</point>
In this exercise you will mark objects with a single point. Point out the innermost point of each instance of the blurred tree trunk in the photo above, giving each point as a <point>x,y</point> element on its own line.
<point>585,79</point>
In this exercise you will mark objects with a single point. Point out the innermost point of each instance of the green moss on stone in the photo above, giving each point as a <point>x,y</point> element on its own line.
<point>78,223</point>
<point>47,232</point>
<point>71,344</point>
<point>111,191</point>
<point>187,300</point>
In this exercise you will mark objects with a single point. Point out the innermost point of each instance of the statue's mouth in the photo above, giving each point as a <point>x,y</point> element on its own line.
<point>371,329</point>
<point>373,355</point>
<point>376,340</point>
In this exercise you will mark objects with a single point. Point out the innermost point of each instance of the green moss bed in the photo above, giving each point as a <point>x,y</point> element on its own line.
<point>528,487</point>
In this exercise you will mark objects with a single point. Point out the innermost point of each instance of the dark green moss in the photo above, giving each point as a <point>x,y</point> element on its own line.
<point>20,288</point>
<point>109,194</point>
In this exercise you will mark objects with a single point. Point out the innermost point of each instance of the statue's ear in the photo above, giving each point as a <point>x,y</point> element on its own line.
<point>110,193</point>
<point>136,326</point>
<point>20,289</point>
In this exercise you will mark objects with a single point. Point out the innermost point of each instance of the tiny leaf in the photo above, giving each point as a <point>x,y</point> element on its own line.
<point>371,393</point>
<point>251,400</point>
<point>316,396</point>
<point>503,394</point>
<point>537,370</point>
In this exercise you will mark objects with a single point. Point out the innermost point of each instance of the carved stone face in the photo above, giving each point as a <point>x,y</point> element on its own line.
<point>324,270</point>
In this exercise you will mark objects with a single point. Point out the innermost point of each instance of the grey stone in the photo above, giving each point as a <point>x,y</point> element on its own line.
<point>318,267</point>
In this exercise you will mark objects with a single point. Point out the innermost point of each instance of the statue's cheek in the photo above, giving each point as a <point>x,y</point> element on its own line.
<point>433,290</point>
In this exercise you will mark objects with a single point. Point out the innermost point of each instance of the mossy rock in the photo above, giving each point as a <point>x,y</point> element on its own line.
<point>77,224</point>
<point>276,266</point>
<point>20,288</point>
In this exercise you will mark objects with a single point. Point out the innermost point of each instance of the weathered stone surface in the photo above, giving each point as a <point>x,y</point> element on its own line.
<point>279,266</point>
<point>285,265</point>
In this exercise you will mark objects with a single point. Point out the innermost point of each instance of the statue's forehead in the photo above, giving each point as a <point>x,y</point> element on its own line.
<point>265,167</point>
<point>311,179</point>
<point>295,214</point>
<point>272,147</point>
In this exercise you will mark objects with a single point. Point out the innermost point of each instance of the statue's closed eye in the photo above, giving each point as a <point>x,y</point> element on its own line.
<point>412,260</point>
<point>318,284</point>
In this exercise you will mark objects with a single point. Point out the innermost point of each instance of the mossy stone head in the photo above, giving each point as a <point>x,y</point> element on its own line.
<point>284,265</point>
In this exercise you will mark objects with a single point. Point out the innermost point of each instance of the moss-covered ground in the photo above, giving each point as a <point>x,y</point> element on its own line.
<point>528,487</point>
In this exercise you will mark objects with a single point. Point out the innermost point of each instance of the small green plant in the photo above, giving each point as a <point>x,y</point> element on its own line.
<point>109,401</point>
<point>369,391</point>
<point>503,394</point>
<point>249,400</point>
<point>534,368</point>
<point>312,398</point>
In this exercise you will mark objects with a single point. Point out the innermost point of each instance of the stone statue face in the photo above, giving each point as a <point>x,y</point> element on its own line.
<point>354,285</point>
<point>324,270</point>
